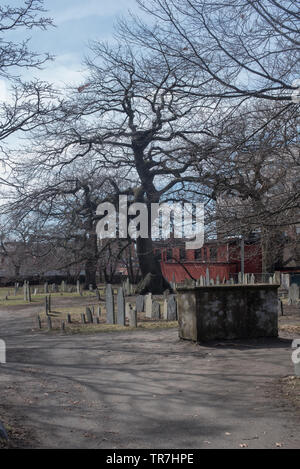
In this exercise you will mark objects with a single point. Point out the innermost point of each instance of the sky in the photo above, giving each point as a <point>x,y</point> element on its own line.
<point>76,23</point>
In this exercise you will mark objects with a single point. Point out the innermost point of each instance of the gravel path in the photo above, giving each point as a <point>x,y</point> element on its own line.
<point>143,389</point>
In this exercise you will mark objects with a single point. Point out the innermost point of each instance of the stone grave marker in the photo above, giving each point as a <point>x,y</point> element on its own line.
<point>110,310</point>
<point>172,308</point>
<point>148,305</point>
<point>120,307</point>
<point>293,297</point>
<point>88,314</point>
<point>132,317</point>
<point>139,302</point>
<point>155,310</point>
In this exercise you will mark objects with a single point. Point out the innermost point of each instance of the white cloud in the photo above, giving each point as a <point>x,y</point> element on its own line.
<point>94,8</point>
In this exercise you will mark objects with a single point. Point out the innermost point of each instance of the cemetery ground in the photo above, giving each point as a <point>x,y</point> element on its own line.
<point>142,387</point>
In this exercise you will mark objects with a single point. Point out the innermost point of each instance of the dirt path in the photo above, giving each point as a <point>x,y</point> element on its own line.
<point>143,389</point>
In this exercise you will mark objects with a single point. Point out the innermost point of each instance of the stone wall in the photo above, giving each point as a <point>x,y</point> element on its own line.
<point>227,311</point>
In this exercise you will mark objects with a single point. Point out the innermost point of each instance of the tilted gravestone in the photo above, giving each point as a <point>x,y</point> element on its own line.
<point>155,310</point>
<point>139,302</point>
<point>172,308</point>
<point>120,307</point>
<point>110,316</point>
<point>88,314</point>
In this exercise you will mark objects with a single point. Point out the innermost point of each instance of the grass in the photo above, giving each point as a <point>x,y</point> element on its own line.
<point>77,327</point>
<point>17,300</point>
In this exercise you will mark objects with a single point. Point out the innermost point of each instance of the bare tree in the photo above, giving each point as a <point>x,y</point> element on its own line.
<point>19,111</point>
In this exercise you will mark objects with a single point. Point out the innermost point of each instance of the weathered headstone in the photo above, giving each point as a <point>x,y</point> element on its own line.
<point>155,310</point>
<point>120,307</point>
<point>38,322</point>
<point>139,301</point>
<point>78,287</point>
<point>293,297</point>
<point>49,323</point>
<point>88,314</point>
<point>165,310</point>
<point>46,290</point>
<point>148,305</point>
<point>172,308</point>
<point>132,317</point>
<point>110,312</point>
<point>46,305</point>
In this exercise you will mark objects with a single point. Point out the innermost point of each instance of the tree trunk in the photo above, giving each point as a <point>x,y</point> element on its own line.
<point>152,279</point>
<point>90,273</point>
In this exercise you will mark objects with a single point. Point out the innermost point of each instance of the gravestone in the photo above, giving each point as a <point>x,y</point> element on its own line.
<point>89,316</point>
<point>120,307</point>
<point>217,280</point>
<point>139,302</point>
<point>132,317</point>
<point>148,305</point>
<point>155,310</point>
<point>46,287</point>
<point>165,310</point>
<point>38,322</point>
<point>78,287</point>
<point>110,312</point>
<point>293,297</point>
<point>172,308</point>
<point>49,323</point>
<point>166,294</point>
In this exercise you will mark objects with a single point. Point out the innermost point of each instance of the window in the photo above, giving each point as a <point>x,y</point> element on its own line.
<point>213,251</point>
<point>198,254</point>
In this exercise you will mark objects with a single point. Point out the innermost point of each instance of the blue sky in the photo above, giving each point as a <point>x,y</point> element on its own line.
<point>77,22</point>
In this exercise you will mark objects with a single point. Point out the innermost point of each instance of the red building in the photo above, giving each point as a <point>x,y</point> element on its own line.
<point>223,259</point>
